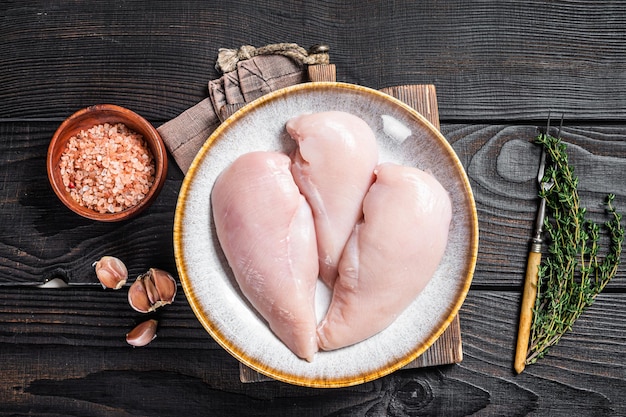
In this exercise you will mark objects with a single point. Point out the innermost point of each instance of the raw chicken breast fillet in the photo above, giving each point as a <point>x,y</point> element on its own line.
<point>390,257</point>
<point>333,166</point>
<point>265,228</point>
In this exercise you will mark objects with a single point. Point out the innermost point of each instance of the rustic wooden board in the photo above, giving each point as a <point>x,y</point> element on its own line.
<point>499,66</point>
<point>482,57</point>
<point>502,163</point>
<point>65,349</point>
<point>39,237</point>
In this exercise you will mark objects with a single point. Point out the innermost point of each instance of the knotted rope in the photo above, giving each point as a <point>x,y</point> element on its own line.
<point>227,59</point>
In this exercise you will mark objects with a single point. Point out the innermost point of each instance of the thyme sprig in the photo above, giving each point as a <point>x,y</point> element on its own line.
<point>572,274</point>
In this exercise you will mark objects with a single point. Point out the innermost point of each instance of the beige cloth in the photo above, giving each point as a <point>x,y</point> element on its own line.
<point>185,134</point>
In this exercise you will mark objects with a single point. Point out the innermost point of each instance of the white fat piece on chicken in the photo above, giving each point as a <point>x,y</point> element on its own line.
<point>390,256</point>
<point>333,167</point>
<point>266,230</point>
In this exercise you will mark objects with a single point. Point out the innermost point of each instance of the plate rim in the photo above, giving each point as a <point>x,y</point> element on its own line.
<point>240,355</point>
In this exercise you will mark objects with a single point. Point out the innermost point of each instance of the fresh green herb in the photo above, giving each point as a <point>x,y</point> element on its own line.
<point>572,274</point>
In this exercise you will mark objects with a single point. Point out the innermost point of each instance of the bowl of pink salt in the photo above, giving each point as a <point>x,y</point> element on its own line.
<point>106,163</point>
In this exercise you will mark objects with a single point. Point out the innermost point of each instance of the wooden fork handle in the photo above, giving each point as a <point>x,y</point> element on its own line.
<point>526,312</point>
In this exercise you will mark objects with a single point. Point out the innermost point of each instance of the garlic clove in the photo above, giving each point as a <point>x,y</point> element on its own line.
<point>151,289</point>
<point>138,297</point>
<point>165,285</point>
<point>143,333</point>
<point>111,272</point>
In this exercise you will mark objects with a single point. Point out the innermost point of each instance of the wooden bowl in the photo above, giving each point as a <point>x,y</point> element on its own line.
<point>85,119</point>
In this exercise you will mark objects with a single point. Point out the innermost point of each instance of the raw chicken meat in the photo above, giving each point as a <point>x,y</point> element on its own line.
<point>333,167</point>
<point>390,257</point>
<point>266,230</point>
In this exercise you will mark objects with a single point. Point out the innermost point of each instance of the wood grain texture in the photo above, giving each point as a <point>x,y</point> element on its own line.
<point>498,66</point>
<point>39,237</point>
<point>67,348</point>
<point>529,296</point>
<point>423,98</point>
<point>494,60</point>
<point>325,72</point>
<point>502,164</point>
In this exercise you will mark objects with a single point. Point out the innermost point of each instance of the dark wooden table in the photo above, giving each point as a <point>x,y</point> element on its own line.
<point>499,67</point>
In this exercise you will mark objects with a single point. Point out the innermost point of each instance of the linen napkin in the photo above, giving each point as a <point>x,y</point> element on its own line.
<point>249,74</point>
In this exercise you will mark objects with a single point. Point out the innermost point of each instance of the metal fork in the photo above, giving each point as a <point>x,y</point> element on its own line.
<point>532,267</point>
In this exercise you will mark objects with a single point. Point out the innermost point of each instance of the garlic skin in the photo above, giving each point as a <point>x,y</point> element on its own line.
<point>111,272</point>
<point>143,333</point>
<point>152,290</point>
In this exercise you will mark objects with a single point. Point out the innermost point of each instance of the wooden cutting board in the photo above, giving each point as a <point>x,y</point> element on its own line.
<point>423,98</point>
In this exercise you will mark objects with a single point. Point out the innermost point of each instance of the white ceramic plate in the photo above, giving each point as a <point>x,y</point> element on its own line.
<point>404,137</point>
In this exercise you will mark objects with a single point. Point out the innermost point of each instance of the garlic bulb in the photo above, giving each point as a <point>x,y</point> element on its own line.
<point>152,290</point>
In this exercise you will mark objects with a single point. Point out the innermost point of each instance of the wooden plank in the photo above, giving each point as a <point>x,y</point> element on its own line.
<point>422,98</point>
<point>495,60</point>
<point>65,349</point>
<point>502,163</point>
<point>325,72</point>
<point>39,237</point>
<point>498,66</point>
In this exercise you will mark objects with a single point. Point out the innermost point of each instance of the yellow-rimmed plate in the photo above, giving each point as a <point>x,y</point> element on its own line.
<point>405,137</point>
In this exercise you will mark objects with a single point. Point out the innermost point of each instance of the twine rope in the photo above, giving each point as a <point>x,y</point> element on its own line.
<point>227,59</point>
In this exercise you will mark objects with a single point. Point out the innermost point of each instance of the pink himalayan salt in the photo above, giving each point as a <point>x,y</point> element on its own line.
<point>107,168</point>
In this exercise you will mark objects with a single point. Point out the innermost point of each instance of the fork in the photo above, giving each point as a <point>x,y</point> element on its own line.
<point>532,267</point>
